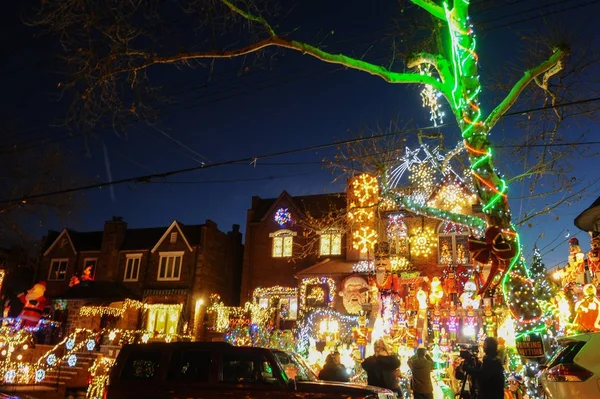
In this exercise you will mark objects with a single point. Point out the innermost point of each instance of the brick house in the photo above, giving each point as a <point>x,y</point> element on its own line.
<point>173,265</point>
<point>277,236</point>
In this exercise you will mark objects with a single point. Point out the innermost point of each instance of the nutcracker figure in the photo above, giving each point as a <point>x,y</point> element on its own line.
<point>362,334</point>
<point>451,285</point>
<point>436,322</point>
<point>489,321</point>
<point>470,323</point>
<point>576,261</point>
<point>594,254</point>
<point>452,323</point>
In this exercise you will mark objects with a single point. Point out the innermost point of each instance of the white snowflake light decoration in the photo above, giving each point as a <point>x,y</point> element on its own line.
<point>90,345</point>
<point>51,359</point>
<point>70,344</point>
<point>40,374</point>
<point>72,360</point>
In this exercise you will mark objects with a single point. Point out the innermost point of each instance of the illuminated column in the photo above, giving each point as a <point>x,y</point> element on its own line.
<point>198,330</point>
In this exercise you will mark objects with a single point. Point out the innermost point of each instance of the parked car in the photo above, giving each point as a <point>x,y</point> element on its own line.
<point>573,371</point>
<point>206,370</point>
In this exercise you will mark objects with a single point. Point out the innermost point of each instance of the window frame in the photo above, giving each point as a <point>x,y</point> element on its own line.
<point>167,255</point>
<point>282,235</point>
<point>132,257</point>
<point>330,233</point>
<point>454,249</point>
<point>152,321</point>
<point>59,261</point>
<point>86,260</point>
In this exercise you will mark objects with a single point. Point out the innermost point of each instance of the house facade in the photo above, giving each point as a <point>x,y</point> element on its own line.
<point>167,268</point>
<point>331,248</point>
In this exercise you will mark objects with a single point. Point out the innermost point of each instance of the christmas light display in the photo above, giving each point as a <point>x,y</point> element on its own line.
<point>364,266</point>
<point>309,326</point>
<point>283,216</point>
<point>430,97</point>
<point>453,197</point>
<point>422,241</point>
<point>318,282</point>
<point>99,377</point>
<point>363,198</point>
<point>252,311</point>
<point>422,177</point>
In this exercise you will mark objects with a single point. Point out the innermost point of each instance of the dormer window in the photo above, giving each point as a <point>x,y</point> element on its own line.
<point>283,241</point>
<point>330,243</point>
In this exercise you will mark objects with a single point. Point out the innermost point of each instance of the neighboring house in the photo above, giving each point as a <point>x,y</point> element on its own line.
<point>277,236</point>
<point>174,265</point>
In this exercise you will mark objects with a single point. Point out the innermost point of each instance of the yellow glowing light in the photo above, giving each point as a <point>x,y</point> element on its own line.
<point>4,352</point>
<point>422,177</point>
<point>423,241</point>
<point>364,239</point>
<point>20,357</point>
<point>25,347</point>
<point>451,197</point>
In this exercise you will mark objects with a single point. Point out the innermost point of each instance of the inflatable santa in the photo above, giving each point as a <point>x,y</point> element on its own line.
<point>33,305</point>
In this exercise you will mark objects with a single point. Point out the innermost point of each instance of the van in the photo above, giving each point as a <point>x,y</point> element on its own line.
<point>211,370</point>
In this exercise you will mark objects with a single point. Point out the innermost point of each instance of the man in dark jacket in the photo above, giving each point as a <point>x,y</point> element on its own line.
<point>334,370</point>
<point>421,366</point>
<point>382,367</point>
<point>490,376</point>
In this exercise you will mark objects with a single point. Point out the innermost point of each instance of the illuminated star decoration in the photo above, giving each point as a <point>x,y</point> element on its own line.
<point>282,216</point>
<point>422,177</point>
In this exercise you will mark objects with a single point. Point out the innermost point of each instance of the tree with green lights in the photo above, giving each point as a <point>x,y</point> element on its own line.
<point>447,66</point>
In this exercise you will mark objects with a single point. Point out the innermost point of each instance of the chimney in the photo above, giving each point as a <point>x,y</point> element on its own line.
<point>112,240</point>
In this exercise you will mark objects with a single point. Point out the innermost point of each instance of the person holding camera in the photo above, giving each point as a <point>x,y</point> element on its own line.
<point>421,366</point>
<point>490,374</point>
<point>382,368</point>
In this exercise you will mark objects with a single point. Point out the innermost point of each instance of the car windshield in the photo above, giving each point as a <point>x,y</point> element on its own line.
<point>290,363</point>
<point>565,353</point>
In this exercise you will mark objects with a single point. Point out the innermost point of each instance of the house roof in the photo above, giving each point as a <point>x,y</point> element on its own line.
<point>587,219</point>
<point>104,290</point>
<point>318,205</point>
<point>135,239</point>
<point>327,267</point>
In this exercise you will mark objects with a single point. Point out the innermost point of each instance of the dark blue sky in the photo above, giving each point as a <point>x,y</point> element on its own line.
<point>293,102</point>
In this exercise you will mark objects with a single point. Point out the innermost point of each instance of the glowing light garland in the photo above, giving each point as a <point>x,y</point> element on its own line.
<point>316,281</point>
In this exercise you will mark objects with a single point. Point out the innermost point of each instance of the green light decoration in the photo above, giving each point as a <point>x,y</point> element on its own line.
<point>453,73</point>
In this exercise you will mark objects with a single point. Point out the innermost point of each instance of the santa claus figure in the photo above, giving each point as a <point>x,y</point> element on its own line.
<point>34,302</point>
<point>437,293</point>
<point>588,310</point>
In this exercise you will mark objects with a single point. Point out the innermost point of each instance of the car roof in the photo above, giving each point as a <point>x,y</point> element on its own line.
<point>218,345</point>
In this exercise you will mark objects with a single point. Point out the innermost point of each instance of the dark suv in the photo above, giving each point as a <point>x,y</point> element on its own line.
<point>206,370</point>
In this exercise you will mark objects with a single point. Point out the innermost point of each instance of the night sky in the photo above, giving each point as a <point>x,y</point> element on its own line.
<point>289,102</point>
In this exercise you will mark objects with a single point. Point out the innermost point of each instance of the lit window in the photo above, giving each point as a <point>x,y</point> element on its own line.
<point>331,243</point>
<point>163,319</point>
<point>173,237</point>
<point>397,235</point>
<point>132,267</point>
<point>58,270</point>
<point>170,266</point>
<point>453,242</point>
<point>283,241</point>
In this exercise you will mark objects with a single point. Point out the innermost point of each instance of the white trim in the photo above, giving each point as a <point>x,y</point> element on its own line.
<point>169,254</point>
<point>59,260</point>
<point>164,236</point>
<point>57,240</point>
<point>283,232</point>
<point>137,256</point>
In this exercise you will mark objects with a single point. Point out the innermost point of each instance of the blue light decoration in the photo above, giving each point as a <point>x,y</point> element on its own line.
<point>40,374</point>
<point>72,360</point>
<point>51,359</point>
<point>9,376</point>
<point>283,216</point>
<point>309,325</point>
<point>90,345</point>
<point>70,344</point>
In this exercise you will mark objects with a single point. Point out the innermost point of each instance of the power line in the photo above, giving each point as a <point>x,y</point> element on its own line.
<point>249,160</point>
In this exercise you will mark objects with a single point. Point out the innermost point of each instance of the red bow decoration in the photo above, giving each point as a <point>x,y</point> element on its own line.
<point>493,247</point>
